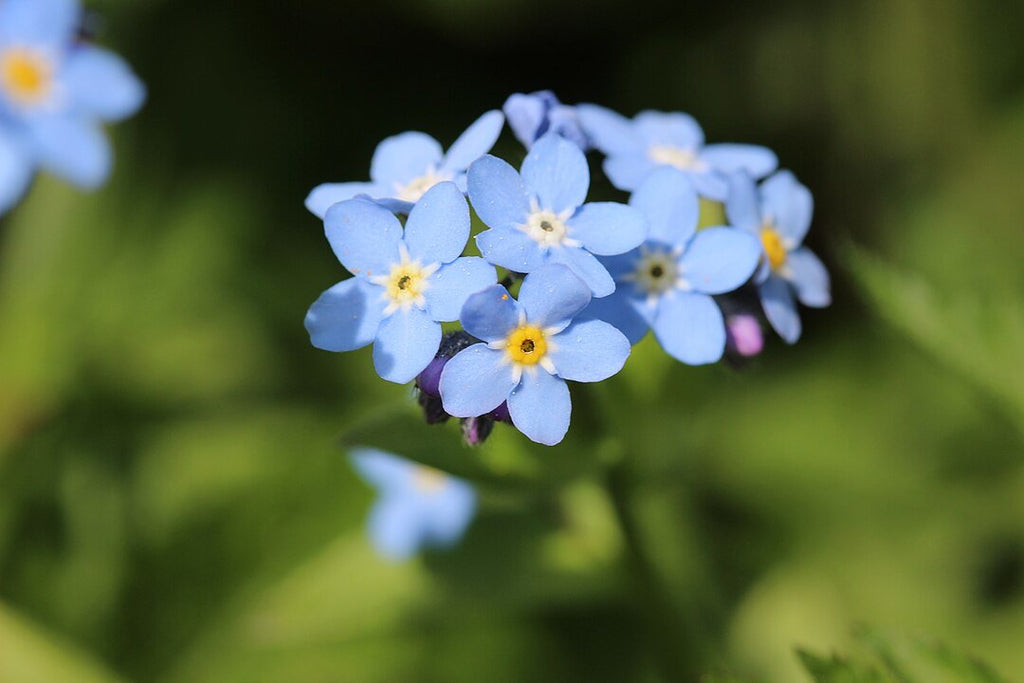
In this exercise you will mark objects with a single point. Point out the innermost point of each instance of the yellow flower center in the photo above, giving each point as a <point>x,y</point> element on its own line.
<point>679,157</point>
<point>527,345</point>
<point>405,284</point>
<point>773,247</point>
<point>428,480</point>
<point>26,75</point>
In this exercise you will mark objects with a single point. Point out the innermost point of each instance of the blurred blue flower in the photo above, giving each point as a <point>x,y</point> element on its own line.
<point>532,116</point>
<point>54,94</point>
<point>667,283</point>
<point>652,139</point>
<point>539,217</point>
<point>779,214</point>
<point>530,348</point>
<point>405,284</point>
<point>417,507</point>
<point>405,166</point>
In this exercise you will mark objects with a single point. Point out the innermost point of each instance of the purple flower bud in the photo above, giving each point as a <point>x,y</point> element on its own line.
<point>430,378</point>
<point>501,413</point>
<point>475,430</point>
<point>744,334</point>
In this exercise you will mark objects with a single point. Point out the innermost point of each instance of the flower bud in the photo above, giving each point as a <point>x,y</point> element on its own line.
<point>475,430</point>
<point>744,335</point>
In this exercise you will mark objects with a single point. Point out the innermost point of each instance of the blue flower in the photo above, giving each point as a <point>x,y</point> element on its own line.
<point>667,283</point>
<point>405,285</point>
<point>652,139</point>
<point>418,506</point>
<point>530,348</point>
<point>532,116</point>
<point>779,214</point>
<point>539,217</point>
<point>405,166</point>
<point>54,94</point>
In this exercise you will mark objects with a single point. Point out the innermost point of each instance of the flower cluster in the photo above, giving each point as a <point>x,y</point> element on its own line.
<point>56,91</point>
<point>582,281</point>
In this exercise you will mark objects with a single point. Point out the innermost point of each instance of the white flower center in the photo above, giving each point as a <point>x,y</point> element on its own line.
<point>417,187</point>
<point>405,284</point>
<point>656,271</point>
<point>683,158</point>
<point>548,228</point>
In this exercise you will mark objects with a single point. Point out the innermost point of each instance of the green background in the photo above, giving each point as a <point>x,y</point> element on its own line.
<point>175,502</point>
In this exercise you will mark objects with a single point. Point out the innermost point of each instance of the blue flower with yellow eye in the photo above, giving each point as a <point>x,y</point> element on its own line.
<point>652,139</point>
<point>405,166</point>
<point>54,94</point>
<point>538,216</point>
<point>406,282</point>
<point>530,348</point>
<point>667,284</point>
<point>417,507</point>
<point>779,214</point>
<point>532,116</point>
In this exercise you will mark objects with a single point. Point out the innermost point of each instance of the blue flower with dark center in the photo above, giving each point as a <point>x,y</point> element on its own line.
<point>530,348</point>
<point>779,214</point>
<point>54,94</point>
<point>532,116</point>
<point>652,139</point>
<point>666,284</point>
<point>417,507</point>
<point>405,166</point>
<point>405,284</point>
<point>538,216</point>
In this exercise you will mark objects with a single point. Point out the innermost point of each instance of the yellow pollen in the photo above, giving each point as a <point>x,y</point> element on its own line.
<point>405,283</point>
<point>25,75</point>
<point>526,345</point>
<point>429,480</point>
<point>773,247</point>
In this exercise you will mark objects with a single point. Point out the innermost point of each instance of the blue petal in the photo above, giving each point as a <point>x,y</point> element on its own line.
<point>730,158</point>
<point>525,114</point>
<point>564,121</point>
<point>669,201</point>
<point>380,469</point>
<point>690,328</point>
<point>346,316</point>
<point>540,407</point>
<point>589,351</point>
<point>364,236</point>
<point>780,309</point>
<point>438,226</point>
<point>608,228</point>
<point>454,283</point>
<point>102,84</point>
<point>586,266</point>
<point>609,131</point>
<point>450,513</point>
<point>490,314</point>
<point>406,343</point>
<point>510,248</point>
<point>51,23</point>
<point>741,207</point>
<point>475,142</point>
<point>497,193</point>
<point>711,185</point>
<point>402,158</point>
<point>788,205</point>
<point>556,172</point>
<point>72,148</point>
<point>627,171</point>
<point>719,260</point>
<point>619,310</point>
<point>475,381</point>
<point>327,195</point>
<point>552,295</point>
<point>15,170</point>
<point>809,278</point>
<point>396,526</point>
<point>669,128</point>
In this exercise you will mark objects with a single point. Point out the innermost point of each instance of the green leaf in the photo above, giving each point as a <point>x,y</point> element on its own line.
<point>836,669</point>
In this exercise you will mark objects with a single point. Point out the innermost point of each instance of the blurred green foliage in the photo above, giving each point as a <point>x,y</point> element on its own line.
<point>175,504</point>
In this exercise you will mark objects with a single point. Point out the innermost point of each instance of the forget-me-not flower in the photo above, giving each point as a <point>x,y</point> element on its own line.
<point>417,507</point>
<point>54,94</point>
<point>635,147</point>
<point>666,284</point>
<point>779,214</point>
<point>530,348</point>
<point>531,116</point>
<point>538,216</point>
<point>405,166</point>
<point>405,284</point>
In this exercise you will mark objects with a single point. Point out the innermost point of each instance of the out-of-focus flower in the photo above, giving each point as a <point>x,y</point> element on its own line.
<point>531,346</point>
<point>666,284</point>
<point>531,116</point>
<point>744,335</point>
<point>405,166</point>
<point>538,216</point>
<point>635,147</point>
<point>55,93</point>
<point>405,284</point>
<point>779,214</point>
<point>417,506</point>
